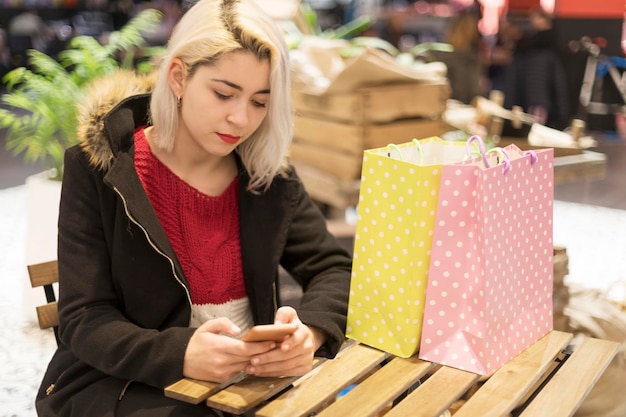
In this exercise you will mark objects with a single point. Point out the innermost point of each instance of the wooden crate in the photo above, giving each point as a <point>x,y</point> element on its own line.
<point>380,104</point>
<point>337,148</point>
<point>331,131</point>
<point>327,188</point>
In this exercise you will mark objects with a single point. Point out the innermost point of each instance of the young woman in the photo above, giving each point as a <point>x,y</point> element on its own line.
<point>177,209</point>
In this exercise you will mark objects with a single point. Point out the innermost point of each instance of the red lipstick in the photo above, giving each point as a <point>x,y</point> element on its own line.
<point>229,138</point>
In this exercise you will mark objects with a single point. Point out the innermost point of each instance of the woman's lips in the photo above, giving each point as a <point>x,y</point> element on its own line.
<point>228,138</point>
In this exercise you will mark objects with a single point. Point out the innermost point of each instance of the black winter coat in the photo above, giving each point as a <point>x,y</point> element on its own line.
<point>125,305</point>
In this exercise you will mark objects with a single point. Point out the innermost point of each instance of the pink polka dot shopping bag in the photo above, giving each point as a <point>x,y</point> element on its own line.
<point>398,199</point>
<point>489,292</point>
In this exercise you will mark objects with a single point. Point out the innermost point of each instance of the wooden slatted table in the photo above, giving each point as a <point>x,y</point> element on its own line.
<point>546,380</point>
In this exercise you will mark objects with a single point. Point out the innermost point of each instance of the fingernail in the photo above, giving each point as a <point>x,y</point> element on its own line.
<point>273,345</point>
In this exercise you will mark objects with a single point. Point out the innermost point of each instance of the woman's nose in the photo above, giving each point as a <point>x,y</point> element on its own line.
<point>238,114</point>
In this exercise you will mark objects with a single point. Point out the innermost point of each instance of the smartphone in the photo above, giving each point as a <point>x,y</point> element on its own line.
<point>265,332</point>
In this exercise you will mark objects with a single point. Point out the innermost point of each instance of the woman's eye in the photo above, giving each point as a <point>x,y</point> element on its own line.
<point>222,96</point>
<point>258,104</point>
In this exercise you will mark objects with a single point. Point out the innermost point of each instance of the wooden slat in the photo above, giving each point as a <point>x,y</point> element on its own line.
<point>381,389</point>
<point>48,315</point>
<point>195,391</point>
<point>506,387</point>
<point>191,390</point>
<point>341,165</point>
<point>252,391</point>
<point>43,273</point>
<point>498,396</point>
<point>436,394</point>
<point>323,384</point>
<point>565,392</point>
<point>379,104</point>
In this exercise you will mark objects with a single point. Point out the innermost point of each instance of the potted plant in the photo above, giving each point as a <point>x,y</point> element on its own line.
<point>40,120</point>
<point>39,117</point>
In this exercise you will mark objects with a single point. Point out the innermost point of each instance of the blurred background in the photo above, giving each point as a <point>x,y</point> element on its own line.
<point>503,27</point>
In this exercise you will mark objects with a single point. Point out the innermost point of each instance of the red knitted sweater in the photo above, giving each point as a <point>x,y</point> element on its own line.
<point>203,229</point>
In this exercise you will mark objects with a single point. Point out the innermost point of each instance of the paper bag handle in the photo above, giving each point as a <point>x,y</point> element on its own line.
<point>476,140</point>
<point>533,156</point>
<point>415,142</point>
<point>393,146</point>
<point>504,156</point>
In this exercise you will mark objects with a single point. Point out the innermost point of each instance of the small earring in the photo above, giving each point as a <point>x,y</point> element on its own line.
<point>178,101</point>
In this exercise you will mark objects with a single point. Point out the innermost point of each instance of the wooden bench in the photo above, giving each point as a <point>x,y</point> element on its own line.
<point>544,380</point>
<point>45,275</point>
<point>550,378</point>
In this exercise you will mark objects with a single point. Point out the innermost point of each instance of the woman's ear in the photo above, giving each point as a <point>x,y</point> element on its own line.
<point>176,76</point>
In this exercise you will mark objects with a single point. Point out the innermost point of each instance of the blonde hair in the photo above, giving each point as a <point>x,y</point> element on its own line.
<point>208,30</point>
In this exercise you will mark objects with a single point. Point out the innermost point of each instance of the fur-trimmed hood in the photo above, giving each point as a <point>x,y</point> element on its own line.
<point>102,96</point>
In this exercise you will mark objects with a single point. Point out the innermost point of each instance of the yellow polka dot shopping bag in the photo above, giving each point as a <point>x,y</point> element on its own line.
<point>489,293</point>
<point>398,198</point>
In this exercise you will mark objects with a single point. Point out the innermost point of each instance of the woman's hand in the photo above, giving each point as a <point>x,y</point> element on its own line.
<point>214,355</point>
<point>294,356</point>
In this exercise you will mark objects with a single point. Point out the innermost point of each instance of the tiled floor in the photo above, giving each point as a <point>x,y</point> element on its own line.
<point>25,349</point>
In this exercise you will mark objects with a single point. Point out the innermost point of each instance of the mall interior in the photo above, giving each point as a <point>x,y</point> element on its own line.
<point>590,204</point>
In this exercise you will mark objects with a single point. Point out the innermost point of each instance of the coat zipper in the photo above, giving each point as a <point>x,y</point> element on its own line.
<point>51,388</point>
<point>159,251</point>
<point>123,392</point>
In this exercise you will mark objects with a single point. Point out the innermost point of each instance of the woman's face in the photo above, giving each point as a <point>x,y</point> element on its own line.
<point>223,104</point>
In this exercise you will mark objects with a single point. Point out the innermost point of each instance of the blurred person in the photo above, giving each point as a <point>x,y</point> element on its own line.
<point>501,53</point>
<point>465,63</point>
<point>177,209</point>
<point>5,56</point>
<point>536,78</point>
<point>121,12</point>
<point>29,25</point>
<point>171,14</point>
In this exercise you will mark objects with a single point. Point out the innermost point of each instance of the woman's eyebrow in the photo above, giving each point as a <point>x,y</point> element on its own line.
<point>238,87</point>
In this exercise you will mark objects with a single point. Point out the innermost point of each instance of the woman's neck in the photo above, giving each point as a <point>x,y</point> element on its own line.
<point>210,174</point>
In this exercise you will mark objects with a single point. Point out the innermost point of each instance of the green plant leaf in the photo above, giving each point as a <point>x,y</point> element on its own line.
<point>40,118</point>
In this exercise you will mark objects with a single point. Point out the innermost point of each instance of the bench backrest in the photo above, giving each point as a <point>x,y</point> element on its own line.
<point>45,275</point>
